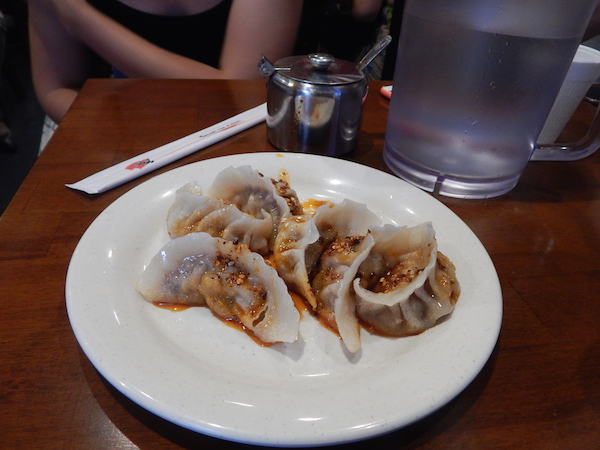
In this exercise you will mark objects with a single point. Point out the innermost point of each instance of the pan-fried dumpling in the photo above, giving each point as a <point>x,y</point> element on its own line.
<point>332,285</point>
<point>302,240</point>
<point>189,208</point>
<point>242,206</point>
<point>235,283</point>
<point>297,250</point>
<point>405,285</point>
<point>193,212</point>
<point>255,194</point>
<point>318,257</point>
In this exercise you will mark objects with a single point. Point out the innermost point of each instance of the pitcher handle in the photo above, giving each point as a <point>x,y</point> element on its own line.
<point>573,151</point>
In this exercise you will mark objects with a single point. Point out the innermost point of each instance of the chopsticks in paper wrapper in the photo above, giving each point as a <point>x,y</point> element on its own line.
<point>154,159</point>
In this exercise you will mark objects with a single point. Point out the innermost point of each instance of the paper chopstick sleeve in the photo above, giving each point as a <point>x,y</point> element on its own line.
<point>154,159</point>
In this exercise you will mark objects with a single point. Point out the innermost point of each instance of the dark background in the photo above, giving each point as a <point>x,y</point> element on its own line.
<point>19,108</point>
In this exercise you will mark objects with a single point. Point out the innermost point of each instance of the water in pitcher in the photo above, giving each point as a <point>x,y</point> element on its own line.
<point>465,123</point>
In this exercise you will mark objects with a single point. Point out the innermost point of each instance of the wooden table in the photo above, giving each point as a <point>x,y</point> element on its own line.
<point>540,389</point>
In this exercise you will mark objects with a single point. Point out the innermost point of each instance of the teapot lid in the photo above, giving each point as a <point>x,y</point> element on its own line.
<point>319,68</point>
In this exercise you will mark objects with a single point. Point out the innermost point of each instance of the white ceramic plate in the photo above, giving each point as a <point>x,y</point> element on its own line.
<point>197,372</point>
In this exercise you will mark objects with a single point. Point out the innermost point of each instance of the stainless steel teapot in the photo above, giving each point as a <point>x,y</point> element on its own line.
<point>314,103</point>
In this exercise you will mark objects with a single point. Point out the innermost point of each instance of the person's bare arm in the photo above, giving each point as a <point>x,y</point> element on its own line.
<point>254,27</point>
<point>258,27</point>
<point>59,63</point>
<point>365,10</point>
<point>62,31</point>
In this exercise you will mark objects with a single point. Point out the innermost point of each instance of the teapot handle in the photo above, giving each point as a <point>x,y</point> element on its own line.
<point>572,151</point>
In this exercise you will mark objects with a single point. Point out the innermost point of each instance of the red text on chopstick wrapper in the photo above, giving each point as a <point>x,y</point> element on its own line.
<point>139,164</point>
